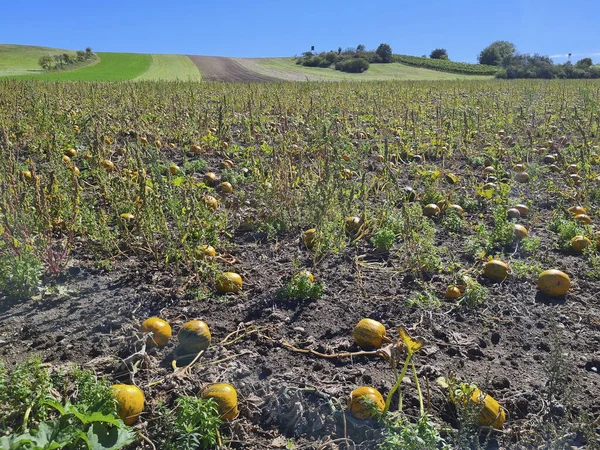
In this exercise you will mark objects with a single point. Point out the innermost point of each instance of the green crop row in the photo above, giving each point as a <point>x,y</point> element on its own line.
<point>445,65</point>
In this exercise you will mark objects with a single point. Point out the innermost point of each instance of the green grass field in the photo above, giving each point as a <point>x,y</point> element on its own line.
<point>110,67</point>
<point>287,68</point>
<point>171,67</point>
<point>23,59</point>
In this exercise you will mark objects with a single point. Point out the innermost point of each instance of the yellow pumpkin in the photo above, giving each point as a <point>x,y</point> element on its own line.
<point>352,224</point>
<point>225,396</point>
<point>229,282</point>
<point>583,219</point>
<point>225,187</point>
<point>108,165</point>
<point>456,208</point>
<point>554,282</point>
<point>194,336</point>
<point>226,164</point>
<point>306,273</point>
<point>522,177</point>
<point>196,149</point>
<point>523,210</point>
<point>130,402</point>
<point>208,250</point>
<point>160,329</point>
<point>431,210</point>
<point>575,210</point>
<point>174,169</point>
<point>495,270</point>
<point>452,293</point>
<point>369,334</point>
<point>211,202</point>
<point>491,414</point>
<point>366,402</point>
<point>71,152</point>
<point>310,237</point>
<point>513,213</point>
<point>519,231</point>
<point>580,243</point>
<point>210,179</point>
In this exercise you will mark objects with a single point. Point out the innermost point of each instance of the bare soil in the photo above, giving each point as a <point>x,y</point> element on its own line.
<point>218,68</point>
<point>536,355</point>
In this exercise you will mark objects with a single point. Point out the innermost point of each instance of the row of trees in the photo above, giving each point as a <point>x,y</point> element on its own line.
<point>65,60</point>
<point>515,65</point>
<point>353,60</point>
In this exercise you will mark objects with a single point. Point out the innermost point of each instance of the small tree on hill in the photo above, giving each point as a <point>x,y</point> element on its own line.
<point>46,62</point>
<point>384,51</point>
<point>360,48</point>
<point>584,63</point>
<point>494,54</point>
<point>439,53</point>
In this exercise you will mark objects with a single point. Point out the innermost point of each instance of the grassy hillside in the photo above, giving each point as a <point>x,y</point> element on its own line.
<point>287,69</point>
<point>110,67</point>
<point>23,59</point>
<point>171,67</point>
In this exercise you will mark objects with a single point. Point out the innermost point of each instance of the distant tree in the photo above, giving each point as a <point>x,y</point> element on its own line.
<point>349,50</point>
<point>584,63</point>
<point>360,48</point>
<point>67,59</point>
<point>352,65</point>
<point>339,50</point>
<point>46,62</point>
<point>384,51</point>
<point>439,53</point>
<point>494,54</point>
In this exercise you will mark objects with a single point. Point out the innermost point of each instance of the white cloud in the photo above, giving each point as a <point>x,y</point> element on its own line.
<point>576,55</point>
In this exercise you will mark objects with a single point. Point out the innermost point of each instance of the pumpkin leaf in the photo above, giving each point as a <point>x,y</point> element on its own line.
<point>412,345</point>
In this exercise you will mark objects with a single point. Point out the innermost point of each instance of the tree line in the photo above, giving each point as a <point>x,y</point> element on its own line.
<point>65,60</point>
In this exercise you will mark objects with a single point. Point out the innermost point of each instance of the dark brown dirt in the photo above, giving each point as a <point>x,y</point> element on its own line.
<point>526,350</point>
<point>218,68</point>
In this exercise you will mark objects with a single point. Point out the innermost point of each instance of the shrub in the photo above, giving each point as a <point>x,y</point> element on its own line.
<point>353,65</point>
<point>385,53</point>
<point>494,54</point>
<point>439,53</point>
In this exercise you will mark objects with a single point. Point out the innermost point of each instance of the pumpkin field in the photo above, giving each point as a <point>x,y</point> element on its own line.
<point>395,265</point>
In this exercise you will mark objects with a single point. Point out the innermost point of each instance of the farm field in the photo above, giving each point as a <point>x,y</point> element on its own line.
<point>23,59</point>
<point>431,208</point>
<point>110,67</point>
<point>287,69</point>
<point>170,68</point>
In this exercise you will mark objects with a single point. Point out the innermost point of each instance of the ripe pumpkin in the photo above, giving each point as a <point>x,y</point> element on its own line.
<point>71,152</point>
<point>307,274</point>
<point>174,169</point>
<point>523,210</point>
<point>108,165</point>
<point>226,164</point>
<point>580,243</point>
<point>431,210</point>
<point>194,336</point>
<point>522,177</point>
<point>456,208</point>
<point>519,231</point>
<point>554,282</point>
<point>549,159</point>
<point>211,202</point>
<point>583,219</point>
<point>225,187</point>
<point>452,293</point>
<point>369,334</point>
<point>310,237</point>
<point>225,396</point>
<point>210,179</point>
<point>160,329</point>
<point>491,414</point>
<point>208,250</point>
<point>513,213</point>
<point>229,282</point>
<point>196,149</point>
<point>495,270</point>
<point>576,210</point>
<point>361,403</point>
<point>130,402</point>
<point>352,224</point>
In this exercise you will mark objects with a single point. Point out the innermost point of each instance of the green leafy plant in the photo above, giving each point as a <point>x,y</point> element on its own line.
<point>383,240</point>
<point>78,426</point>
<point>400,433</point>
<point>474,294</point>
<point>300,287</point>
<point>20,273</point>
<point>195,424</point>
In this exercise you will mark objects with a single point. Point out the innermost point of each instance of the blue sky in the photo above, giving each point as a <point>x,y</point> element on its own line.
<point>285,28</point>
